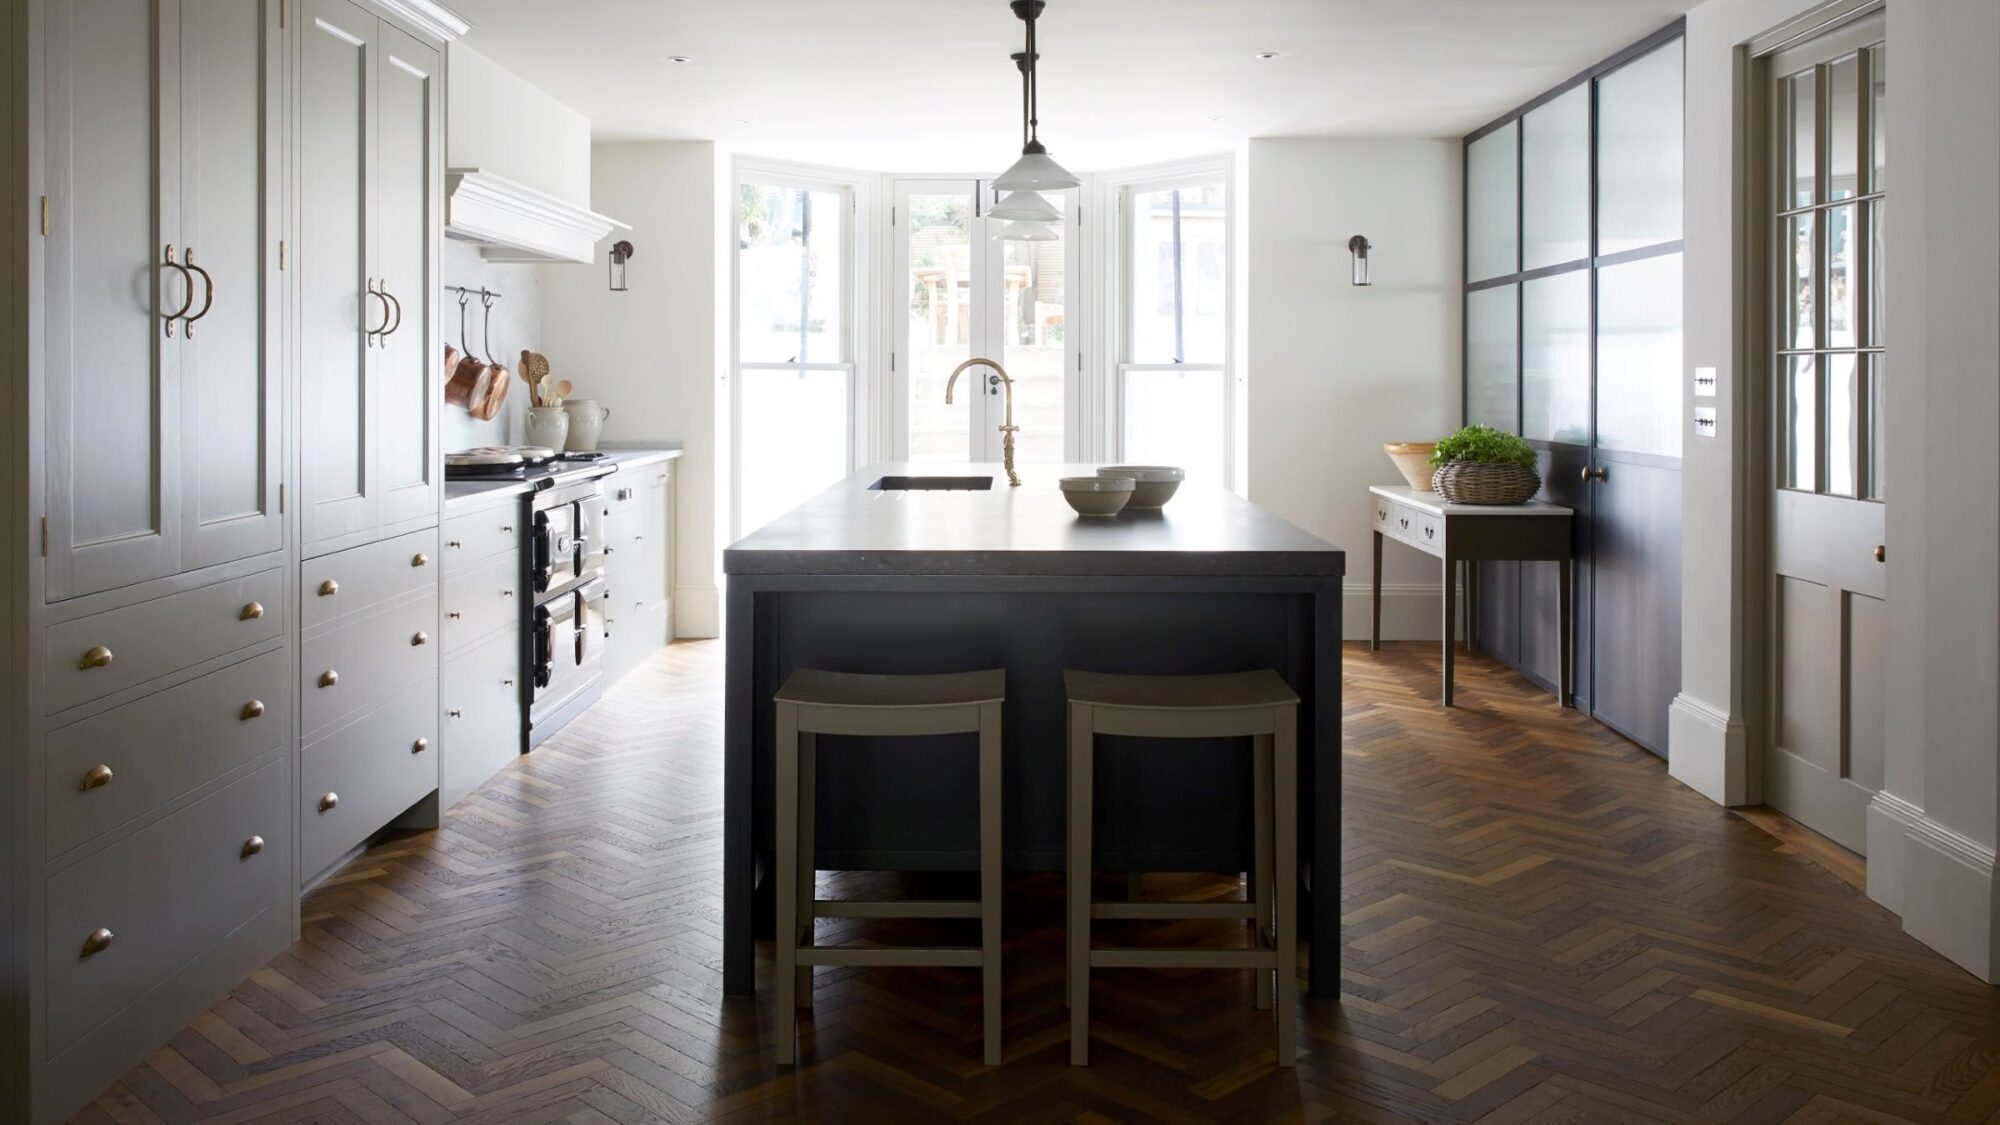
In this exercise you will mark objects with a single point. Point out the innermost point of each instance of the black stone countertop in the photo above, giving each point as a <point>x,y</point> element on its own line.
<point>851,529</point>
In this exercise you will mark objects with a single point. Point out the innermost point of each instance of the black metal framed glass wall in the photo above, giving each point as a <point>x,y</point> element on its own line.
<point>1573,340</point>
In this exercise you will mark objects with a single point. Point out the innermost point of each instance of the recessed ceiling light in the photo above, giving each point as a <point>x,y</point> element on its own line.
<point>1267,54</point>
<point>679,59</point>
<point>1215,120</point>
<point>743,121</point>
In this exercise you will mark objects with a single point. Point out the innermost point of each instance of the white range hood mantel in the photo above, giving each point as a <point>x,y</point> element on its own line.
<point>512,222</point>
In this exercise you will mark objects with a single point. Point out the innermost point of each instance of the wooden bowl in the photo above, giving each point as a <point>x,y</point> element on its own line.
<point>1413,460</point>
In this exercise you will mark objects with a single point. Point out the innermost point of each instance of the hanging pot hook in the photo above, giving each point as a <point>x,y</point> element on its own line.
<point>486,326</point>
<point>462,299</point>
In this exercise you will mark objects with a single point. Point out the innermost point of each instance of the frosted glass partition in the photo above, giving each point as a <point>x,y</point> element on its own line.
<point>1555,358</point>
<point>1492,190</point>
<point>1639,356</point>
<point>1491,346</point>
<point>1639,152</point>
<point>1555,180</point>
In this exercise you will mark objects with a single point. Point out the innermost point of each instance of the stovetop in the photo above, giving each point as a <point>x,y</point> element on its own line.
<point>559,464</point>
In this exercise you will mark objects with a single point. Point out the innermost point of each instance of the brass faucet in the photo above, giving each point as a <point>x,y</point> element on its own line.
<point>1007,429</point>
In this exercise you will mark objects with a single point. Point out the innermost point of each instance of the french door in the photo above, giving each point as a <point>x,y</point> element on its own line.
<point>1828,606</point>
<point>958,293</point>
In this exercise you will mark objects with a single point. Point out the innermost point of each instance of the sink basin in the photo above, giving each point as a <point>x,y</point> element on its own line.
<point>932,484</point>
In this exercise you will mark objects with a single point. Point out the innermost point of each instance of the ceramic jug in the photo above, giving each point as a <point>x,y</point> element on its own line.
<point>586,423</point>
<point>547,426</point>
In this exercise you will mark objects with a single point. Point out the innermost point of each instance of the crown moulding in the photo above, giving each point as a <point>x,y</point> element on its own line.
<point>512,222</point>
<point>429,17</point>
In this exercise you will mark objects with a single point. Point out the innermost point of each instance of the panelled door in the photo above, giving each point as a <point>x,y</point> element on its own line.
<point>1827,604</point>
<point>337,312</point>
<point>232,384</point>
<point>410,96</point>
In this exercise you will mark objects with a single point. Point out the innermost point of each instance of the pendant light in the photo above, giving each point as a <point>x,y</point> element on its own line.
<point>1023,230</point>
<point>1031,206</point>
<point>1034,171</point>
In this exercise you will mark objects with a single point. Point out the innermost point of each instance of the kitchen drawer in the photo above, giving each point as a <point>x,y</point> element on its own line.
<point>91,657</point>
<point>481,600</point>
<point>138,757</point>
<point>360,663</point>
<point>166,895</point>
<point>362,776</point>
<point>474,538</point>
<point>350,581</point>
<point>1414,526</point>
<point>634,631</point>
<point>483,715</point>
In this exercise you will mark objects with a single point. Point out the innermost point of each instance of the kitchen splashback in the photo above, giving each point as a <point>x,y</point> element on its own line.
<point>517,324</point>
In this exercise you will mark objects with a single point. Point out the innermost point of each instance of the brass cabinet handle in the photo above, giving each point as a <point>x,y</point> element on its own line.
<point>186,278</point>
<point>251,847</point>
<point>253,709</point>
<point>251,612</point>
<point>420,745</point>
<point>97,657</point>
<point>98,941</point>
<point>373,333</point>
<point>208,293</point>
<point>1590,474</point>
<point>329,588</point>
<point>328,801</point>
<point>1881,552</point>
<point>420,638</point>
<point>382,290</point>
<point>420,559</point>
<point>329,678</point>
<point>96,777</point>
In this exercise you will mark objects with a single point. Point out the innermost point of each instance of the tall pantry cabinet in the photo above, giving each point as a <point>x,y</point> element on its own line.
<point>227,327</point>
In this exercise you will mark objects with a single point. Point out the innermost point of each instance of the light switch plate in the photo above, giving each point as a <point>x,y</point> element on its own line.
<point>1704,382</point>
<point>1704,421</point>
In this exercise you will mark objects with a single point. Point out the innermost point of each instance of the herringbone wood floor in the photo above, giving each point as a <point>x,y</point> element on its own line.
<point>1540,926</point>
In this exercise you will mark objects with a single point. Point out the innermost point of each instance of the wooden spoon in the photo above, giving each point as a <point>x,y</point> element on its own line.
<point>545,392</point>
<point>563,388</point>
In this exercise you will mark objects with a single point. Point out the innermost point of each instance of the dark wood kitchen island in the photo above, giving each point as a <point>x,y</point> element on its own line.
<point>868,579</point>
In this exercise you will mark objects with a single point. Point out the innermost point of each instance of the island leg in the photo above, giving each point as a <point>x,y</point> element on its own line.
<point>1319,813</point>
<point>739,962</point>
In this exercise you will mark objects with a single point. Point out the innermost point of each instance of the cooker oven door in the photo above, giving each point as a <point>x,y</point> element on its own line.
<point>568,644</point>
<point>553,547</point>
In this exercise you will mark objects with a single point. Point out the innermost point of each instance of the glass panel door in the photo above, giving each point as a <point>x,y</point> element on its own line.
<point>1173,387</point>
<point>940,258</point>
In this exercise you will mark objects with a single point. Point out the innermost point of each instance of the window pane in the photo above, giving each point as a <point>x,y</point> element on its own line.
<point>1555,358</point>
<point>1843,103</point>
<point>1803,144</point>
<point>1799,393</point>
<point>1555,181</point>
<point>1639,356</point>
<point>791,436</point>
<point>1176,418</point>
<point>939,279</point>
<point>1840,235</point>
<point>1491,192</point>
<point>1877,479</point>
<point>1031,346</point>
<point>1178,263</point>
<point>1639,152</point>
<point>1878,121</point>
<point>1843,393</point>
<point>789,262</point>
<point>1876,293</point>
<point>1799,285</point>
<point>1491,333</point>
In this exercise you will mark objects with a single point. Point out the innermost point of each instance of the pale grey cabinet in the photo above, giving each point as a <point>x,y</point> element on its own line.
<point>369,138</point>
<point>638,613</point>
<point>483,703</point>
<point>163,374</point>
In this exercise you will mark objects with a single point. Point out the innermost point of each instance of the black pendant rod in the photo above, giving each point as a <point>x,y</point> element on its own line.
<point>1027,10</point>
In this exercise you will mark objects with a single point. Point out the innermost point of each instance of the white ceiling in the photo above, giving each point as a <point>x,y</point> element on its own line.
<point>913,85</point>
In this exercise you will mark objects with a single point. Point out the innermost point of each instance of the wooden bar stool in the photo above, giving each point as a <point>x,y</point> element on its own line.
<point>1259,705</point>
<point>814,703</point>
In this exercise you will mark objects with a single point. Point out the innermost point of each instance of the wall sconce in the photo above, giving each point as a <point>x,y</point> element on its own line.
<point>1357,247</point>
<point>621,252</point>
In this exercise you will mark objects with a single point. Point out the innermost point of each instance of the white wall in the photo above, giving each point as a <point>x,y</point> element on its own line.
<point>1335,370</point>
<point>501,123</point>
<point>652,354</point>
<point>1931,834</point>
<point>516,325</point>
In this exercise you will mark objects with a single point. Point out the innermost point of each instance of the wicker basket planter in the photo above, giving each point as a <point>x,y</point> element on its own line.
<point>1486,482</point>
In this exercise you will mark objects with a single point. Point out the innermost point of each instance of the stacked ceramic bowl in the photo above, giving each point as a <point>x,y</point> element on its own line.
<point>1118,488</point>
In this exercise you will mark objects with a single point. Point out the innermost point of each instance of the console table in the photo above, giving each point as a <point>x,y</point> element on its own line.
<point>1469,534</point>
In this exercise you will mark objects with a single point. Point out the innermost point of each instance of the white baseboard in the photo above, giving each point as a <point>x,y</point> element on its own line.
<point>1939,880</point>
<point>1707,751</point>
<point>1411,611</point>
<point>697,612</point>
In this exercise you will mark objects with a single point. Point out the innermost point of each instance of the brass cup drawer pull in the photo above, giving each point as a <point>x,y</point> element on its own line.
<point>421,559</point>
<point>251,612</point>
<point>328,801</point>
<point>420,638</point>
<point>252,709</point>
<point>251,847</point>
<point>420,745</point>
<point>1881,552</point>
<point>329,588</point>
<point>97,657</point>
<point>98,941</point>
<point>329,678</point>
<point>96,777</point>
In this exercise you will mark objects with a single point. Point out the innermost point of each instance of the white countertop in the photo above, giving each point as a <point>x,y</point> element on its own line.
<point>1436,505</point>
